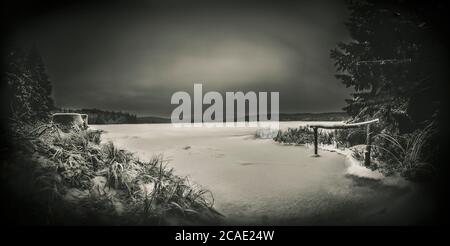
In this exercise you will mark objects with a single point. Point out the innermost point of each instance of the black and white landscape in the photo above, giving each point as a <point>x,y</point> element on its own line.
<point>357,98</point>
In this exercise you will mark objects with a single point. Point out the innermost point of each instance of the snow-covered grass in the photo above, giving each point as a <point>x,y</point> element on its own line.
<point>89,182</point>
<point>266,133</point>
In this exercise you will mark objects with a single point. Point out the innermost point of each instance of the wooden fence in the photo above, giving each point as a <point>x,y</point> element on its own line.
<point>346,126</point>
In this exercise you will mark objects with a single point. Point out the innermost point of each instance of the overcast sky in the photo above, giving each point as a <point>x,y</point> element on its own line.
<point>132,58</point>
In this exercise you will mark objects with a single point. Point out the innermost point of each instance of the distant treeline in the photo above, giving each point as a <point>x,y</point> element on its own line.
<point>329,116</point>
<point>97,116</point>
<point>152,119</point>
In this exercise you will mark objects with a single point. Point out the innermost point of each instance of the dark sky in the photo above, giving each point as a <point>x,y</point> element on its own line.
<point>132,58</point>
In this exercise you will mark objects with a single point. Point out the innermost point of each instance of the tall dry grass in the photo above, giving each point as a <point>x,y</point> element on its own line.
<point>404,153</point>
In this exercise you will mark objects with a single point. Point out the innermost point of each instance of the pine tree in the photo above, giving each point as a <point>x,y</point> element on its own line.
<point>391,62</point>
<point>36,68</point>
<point>28,87</point>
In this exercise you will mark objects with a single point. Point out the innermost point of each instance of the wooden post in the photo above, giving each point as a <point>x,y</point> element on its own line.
<point>315,141</point>
<point>368,147</point>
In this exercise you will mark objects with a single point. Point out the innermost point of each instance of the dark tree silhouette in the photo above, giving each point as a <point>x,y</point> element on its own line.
<point>394,62</point>
<point>36,67</point>
<point>28,87</point>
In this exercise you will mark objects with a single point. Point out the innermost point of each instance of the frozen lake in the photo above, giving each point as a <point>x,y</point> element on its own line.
<point>260,182</point>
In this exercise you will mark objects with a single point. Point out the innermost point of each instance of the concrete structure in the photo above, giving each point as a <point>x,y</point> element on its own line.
<point>70,120</point>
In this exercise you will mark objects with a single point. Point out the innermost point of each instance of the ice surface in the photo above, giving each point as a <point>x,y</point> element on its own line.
<point>258,181</point>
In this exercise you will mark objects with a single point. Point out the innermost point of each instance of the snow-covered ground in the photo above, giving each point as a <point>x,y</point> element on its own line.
<point>258,181</point>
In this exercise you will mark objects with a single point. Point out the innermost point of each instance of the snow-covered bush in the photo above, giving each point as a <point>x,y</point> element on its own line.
<point>266,133</point>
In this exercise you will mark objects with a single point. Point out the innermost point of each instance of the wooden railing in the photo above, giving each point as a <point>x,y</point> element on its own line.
<point>345,126</point>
